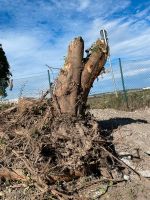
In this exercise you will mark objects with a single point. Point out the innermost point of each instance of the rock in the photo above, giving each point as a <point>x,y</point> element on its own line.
<point>126,177</point>
<point>1,194</point>
<point>144,173</point>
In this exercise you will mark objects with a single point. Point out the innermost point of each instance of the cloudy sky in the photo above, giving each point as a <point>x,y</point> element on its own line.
<point>35,33</point>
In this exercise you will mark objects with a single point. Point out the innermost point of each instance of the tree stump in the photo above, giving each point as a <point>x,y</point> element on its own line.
<point>77,76</point>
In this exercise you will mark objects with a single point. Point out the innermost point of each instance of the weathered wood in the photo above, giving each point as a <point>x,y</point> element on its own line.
<point>68,83</point>
<point>92,69</point>
<point>77,76</point>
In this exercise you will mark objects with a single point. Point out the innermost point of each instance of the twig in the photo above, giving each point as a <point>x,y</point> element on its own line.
<point>6,173</point>
<point>61,195</point>
<point>40,184</point>
<point>14,108</point>
<point>32,171</point>
<point>18,186</point>
<point>44,95</point>
<point>99,181</point>
<point>57,104</point>
<point>42,189</point>
<point>120,161</point>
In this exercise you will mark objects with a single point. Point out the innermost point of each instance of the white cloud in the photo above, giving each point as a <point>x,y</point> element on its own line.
<point>127,36</point>
<point>129,70</point>
<point>39,31</point>
<point>143,13</point>
<point>137,71</point>
<point>29,53</point>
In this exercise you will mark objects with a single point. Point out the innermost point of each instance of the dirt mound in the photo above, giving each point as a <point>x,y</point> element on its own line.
<point>55,157</point>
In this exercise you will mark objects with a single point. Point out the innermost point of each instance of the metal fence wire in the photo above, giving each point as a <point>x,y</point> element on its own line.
<point>135,75</point>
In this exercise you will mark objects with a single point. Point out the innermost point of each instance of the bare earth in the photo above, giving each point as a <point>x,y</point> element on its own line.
<point>130,132</point>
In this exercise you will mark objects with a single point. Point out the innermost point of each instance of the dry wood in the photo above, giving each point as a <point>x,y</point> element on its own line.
<point>76,78</point>
<point>68,83</point>
<point>120,161</point>
<point>11,175</point>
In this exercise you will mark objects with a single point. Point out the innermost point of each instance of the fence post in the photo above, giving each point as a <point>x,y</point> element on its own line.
<point>103,34</point>
<point>123,84</point>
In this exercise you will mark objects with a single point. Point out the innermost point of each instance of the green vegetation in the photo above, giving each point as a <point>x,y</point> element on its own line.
<point>136,99</point>
<point>4,73</point>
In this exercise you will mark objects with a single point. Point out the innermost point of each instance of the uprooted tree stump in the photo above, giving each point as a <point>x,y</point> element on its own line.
<point>54,145</point>
<point>77,76</point>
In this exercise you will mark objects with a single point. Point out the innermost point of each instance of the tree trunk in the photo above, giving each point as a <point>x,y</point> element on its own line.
<point>77,76</point>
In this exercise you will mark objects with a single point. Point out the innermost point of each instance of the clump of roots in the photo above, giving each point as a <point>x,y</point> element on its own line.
<point>51,149</point>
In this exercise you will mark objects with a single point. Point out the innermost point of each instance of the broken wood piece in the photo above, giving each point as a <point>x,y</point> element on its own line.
<point>122,162</point>
<point>60,195</point>
<point>12,175</point>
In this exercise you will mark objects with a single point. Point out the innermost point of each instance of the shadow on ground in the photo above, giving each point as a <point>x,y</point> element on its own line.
<point>107,126</point>
<point>114,123</point>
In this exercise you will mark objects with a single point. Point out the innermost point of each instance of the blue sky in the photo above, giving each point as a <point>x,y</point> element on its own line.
<point>35,33</point>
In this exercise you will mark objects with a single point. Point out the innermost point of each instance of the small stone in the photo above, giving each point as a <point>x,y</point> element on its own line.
<point>126,177</point>
<point>1,194</point>
<point>145,173</point>
<point>129,157</point>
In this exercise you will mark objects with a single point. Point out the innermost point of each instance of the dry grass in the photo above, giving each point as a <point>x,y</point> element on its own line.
<point>136,100</point>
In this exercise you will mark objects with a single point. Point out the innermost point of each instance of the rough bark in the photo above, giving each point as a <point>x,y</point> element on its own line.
<point>68,83</point>
<point>92,69</point>
<point>77,76</point>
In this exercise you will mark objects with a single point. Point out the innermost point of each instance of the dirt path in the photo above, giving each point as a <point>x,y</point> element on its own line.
<point>130,132</point>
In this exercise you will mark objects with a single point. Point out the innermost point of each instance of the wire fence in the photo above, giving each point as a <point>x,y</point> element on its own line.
<point>136,75</point>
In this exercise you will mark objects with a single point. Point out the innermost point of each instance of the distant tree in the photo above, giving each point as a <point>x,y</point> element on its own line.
<point>4,73</point>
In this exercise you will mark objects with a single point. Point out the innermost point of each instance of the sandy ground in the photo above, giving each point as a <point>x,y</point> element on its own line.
<point>130,132</point>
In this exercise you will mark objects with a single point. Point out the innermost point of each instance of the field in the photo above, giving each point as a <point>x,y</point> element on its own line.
<point>136,99</point>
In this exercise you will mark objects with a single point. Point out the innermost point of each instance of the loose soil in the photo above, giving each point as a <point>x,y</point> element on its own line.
<point>130,132</point>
